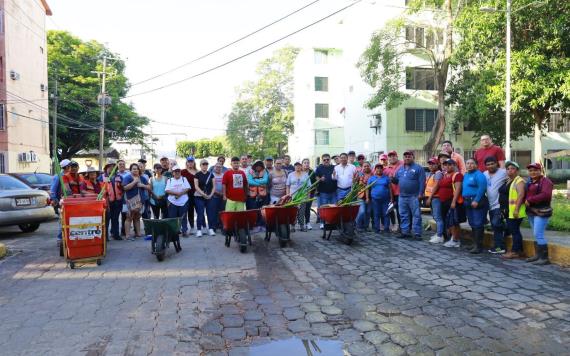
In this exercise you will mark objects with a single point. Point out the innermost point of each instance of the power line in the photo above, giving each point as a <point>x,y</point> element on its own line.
<point>226,45</point>
<point>244,55</point>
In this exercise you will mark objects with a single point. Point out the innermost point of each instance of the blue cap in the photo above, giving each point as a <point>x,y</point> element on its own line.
<point>190,158</point>
<point>269,158</point>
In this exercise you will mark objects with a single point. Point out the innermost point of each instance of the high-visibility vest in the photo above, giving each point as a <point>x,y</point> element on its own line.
<point>513,196</point>
<point>460,199</point>
<point>430,185</point>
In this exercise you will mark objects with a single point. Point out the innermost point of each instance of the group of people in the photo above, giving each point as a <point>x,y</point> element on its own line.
<point>479,189</point>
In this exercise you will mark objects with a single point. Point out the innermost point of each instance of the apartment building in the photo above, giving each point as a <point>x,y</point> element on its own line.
<point>24,120</point>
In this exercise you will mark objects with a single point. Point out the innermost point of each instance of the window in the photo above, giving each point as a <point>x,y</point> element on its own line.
<point>420,79</point>
<point>321,84</point>
<point>423,37</point>
<point>322,111</point>
<point>2,163</point>
<point>421,120</point>
<point>557,123</point>
<point>321,137</point>
<point>2,116</point>
<point>321,56</point>
<point>523,158</point>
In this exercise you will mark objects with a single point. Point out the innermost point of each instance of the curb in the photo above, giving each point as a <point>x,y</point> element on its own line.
<point>557,254</point>
<point>3,250</point>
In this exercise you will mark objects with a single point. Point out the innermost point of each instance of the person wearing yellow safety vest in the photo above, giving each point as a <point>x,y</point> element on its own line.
<point>257,180</point>
<point>512,196</point>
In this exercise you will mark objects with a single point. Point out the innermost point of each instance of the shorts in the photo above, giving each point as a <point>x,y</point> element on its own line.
<point>232,205</point>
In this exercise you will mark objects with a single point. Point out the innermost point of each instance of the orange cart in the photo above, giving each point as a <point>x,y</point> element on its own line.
<point>83,227</point>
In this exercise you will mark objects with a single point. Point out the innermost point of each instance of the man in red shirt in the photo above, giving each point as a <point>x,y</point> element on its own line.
<point>234,187</point>
<point>488,150</point>
<point>390,170</point>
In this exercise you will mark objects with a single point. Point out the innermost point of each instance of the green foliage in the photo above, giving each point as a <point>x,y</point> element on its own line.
<point>262,117</point>
<point>202,148</point>
<point>540,66</point>
<point>560,220</point>
<point>72,61</point>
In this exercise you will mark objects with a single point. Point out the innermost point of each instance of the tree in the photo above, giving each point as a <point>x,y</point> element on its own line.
<point>540,67</point>
<point>202,148</point>
<point>71,62</point>
<point>262,117</point>
<point>381,65</point>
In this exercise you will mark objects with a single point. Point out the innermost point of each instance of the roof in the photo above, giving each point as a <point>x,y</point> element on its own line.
<point>558,154</point>
<point>107,153</point>
<point>46,6</point>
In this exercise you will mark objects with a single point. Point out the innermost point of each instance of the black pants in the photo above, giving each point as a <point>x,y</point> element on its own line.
<point>308,212</point>
<point>123,219</point>
<point>395,214</point>
<point>191,208</point>
<point>159,211</point>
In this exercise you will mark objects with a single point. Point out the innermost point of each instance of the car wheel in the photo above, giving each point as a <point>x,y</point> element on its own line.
<point>28,227</point>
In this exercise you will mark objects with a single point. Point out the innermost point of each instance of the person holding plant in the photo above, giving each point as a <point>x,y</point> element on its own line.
<point>134,184</point>
<point>511,198</point>
<point>158,193</point>
<point>295,181</point>
<point>204,185</point>
<point>539,210</point>
<point>476,203</point>
<point>379,196</point>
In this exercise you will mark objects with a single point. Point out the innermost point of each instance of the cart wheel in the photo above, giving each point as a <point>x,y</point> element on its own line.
<point>98,262</point>
<point>284,234</point>
<point>242,240</point>
<point>348,229</point>
<point>348,241</point>
<point>160,247</point>
<point>72,265</point>
<point>283,243</point>
<point>228,240</point>
<point>60,245</point>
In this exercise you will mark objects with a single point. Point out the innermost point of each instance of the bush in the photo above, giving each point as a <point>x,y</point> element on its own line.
<point>560,220</point>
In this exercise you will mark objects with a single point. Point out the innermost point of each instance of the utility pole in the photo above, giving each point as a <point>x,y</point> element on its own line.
<point>54,132</point>
<point>508,86</point>
<point>104,100</point>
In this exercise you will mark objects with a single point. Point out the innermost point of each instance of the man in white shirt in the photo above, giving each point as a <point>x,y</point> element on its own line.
<point>496,178</point>
<point>177,189</point>
<point>344,175</point>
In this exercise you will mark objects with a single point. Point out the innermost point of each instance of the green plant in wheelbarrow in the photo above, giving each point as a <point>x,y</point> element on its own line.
<point>301,196</point>
<point>352,197</point>
<point>163,232</point>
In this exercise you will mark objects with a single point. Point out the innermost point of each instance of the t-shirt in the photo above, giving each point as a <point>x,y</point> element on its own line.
<point>495,182</point>
<point>295,182</point>
<point>328,185</point>
<point>277,184</point>
<point>205,182</point>
<point>390,171</point>
<point>412,179</point>
<point>482,153</point>
<point>381,187</point>
<point>218,182</point>
<point>177,186</point>
<point>288,168</point>
<point>190,177</point>
<point>235,182</point>
<point>128,179</point>
<point>344,175</point>
<point>445,191</point>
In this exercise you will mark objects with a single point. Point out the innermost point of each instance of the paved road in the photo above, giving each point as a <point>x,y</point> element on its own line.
<point>379,296</point>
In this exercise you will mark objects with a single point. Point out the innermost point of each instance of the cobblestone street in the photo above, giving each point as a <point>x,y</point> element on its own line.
<point>381,295</point>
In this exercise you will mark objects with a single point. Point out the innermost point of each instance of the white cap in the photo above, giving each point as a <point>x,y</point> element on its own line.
<point>64,163</point>
<point>175,168</point>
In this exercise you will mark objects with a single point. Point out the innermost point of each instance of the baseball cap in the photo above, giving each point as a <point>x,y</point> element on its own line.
<point>73,163</point>
<point>352,153</point>
<point>449,161</point>
<point>392,153</point>
<point>297,164</point>
<point>269,158</point>
<point>512,163</point>
<point>535,165</point>
<point>142,160</point>
<point>64,163</point>
<point>190,158</point>
<point>383,156</point>
<point>360,156</point>
<point>433,160</point>
<point>204,161</point>
<point>176,168</point>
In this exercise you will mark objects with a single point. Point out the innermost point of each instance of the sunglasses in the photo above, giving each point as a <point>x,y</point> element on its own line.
<point>326,159</point>
<point>204,164</point>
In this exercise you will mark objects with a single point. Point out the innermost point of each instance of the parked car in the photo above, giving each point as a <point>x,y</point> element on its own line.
<point>35,180</point>
<point>23,205</point>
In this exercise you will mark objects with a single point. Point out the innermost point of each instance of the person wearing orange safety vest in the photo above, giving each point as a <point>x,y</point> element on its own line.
<point>72,180</point>
<point>90,185</point>
<point>432,198</point>
<point>114,194</point>
<point>258,196</point>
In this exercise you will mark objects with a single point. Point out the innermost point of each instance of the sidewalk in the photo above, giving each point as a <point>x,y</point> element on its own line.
<point>558,243</point>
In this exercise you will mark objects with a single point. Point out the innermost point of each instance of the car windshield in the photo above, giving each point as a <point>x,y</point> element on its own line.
<point>11,183</point>
<point>37,178</point>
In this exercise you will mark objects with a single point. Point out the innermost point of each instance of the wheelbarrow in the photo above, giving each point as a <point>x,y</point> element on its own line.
<point>278,220</point>
<point>341,218</point>
<point>237,224</point>
<point>163,232</point>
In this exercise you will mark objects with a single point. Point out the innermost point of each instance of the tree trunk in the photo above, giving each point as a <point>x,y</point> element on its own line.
<point>538,120</point>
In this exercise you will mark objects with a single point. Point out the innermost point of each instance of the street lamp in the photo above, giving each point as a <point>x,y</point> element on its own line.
<point>508,12</point>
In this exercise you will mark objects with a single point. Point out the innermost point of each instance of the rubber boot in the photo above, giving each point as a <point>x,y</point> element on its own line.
<point>543,256</point>
<point>477,240</point>
<point>536,255</point>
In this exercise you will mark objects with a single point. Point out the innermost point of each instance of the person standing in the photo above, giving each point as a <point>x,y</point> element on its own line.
<point>257,181</point>
<point>449,191</point>
<point>158,193</point>
<point>488,149</point>
<point>221,160</point>
<point>496,178</point>
<point>123,172</point>
<point>539,210</point>
<point>335,160</point>
<point>114,199</point>
<point>177,189</point>
<point>56,193</point>
<point>344,174</point>
<point>189,173</point>
<point>411,180</point>
<point>326,189</point>
<point>295,181</point>
<point>269,164</point>
<point>363,217</point>
<point>352,158</point>
<point>235,187</point>
<point>90,185</point>
<point>383,160</point>
<point>432,199</point>
<point>476,203</point>
<point>277,182</point>
<point>306,164</point>
<point>204,186</point>
<point>447,147</point>
<point>148,174</point>
<point>218,198</point>
<point>287,164</point>
<point>134,184</point>
<point>512,197</point>
<point>165,163</point>
<point>393,165</point>
<point>379,195</point>
<point>72,180</point>
<point>360,159</point>
<point>244,164</point>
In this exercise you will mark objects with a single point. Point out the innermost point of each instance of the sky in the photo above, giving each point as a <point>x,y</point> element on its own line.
<point>156,36</point>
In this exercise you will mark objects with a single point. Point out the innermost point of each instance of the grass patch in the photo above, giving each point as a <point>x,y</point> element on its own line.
<point>560,220</point>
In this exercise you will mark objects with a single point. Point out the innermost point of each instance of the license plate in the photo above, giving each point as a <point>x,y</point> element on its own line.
<point>23,201</point>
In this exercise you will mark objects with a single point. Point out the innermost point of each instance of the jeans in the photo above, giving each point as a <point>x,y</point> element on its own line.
<point>341,193</point>
<point>475,216</point>
<point>112,218</point>
<point>498,225</point>
<point>363,217</point>
<point>410,215</point>
<point>159,211</point>
<point>147,210</point>
<point>204,208</point>
<point>380,213</point>
<point>515,228</point>
<point>538,225</point>
<point>437,214</point>
<point>175,211</point>
<point>218,205</point>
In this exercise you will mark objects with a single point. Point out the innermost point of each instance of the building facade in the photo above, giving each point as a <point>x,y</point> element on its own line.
<point>24,120</point>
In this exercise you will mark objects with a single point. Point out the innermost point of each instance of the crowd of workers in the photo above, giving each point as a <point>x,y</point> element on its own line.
<point>480,189</point>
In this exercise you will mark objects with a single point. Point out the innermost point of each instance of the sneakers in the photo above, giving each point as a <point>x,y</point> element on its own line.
<point>199,233</point>
<point>497,251</point>
<point>452,243</point>
<point>321,226</point>
<point>436,239</point>
<point>211,232</point>
<point>308,226</point>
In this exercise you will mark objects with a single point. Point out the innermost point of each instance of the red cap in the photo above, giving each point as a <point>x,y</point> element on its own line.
<point>535,166</point>
<point>383,156</point>
<point>392,153</point>
<point>433,160</point>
